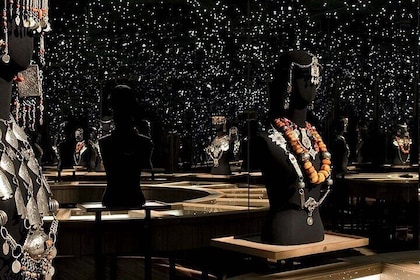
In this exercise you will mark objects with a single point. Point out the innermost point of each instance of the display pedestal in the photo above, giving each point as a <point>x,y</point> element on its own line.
<point>98,208</point>
<point>252,246</point>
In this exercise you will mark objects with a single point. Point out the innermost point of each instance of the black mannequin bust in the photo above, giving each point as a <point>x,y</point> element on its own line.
<point>401,144</point>
<point>124,152</point>
<point>340,149</point>
<point>219,148</point>
<point>290,221</point>
<point>84,155</point>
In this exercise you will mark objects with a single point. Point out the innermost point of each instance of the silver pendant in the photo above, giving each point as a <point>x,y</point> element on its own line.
<point>32,23</point>
<point>50,273</point>
<point>16,266</point>
<point>48,28</point>
<point>6,248</point>
<point>310,221</point>
<point>6,191</point>
<point>33,213</point>
<point>305,140</point>
<point>5,58</point>
<point>24,174</point>
<point>18,131</point>
<point>312,152</point>
<point>42,201</point>
<point>17,20</point>
<point>20,204</point>
<point>35,244</point>
<point>53,253</point>
<point>7,165</point>
<point>33,165</point>
<point>11,139</point>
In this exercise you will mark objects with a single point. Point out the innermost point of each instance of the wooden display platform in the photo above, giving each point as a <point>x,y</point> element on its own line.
<point>252,246</point>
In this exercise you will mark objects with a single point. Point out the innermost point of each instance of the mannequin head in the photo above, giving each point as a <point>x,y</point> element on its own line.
<point>78,134</point>
<point>124,106</point>
<point>294,82</point>
<point>219,123</point>
<point>340,126</point>
<point>233,133</point>
<point>402,130</point>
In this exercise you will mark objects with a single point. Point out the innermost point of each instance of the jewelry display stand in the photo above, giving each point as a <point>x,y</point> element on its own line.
<point>98,208</point>
<point>252,246</point>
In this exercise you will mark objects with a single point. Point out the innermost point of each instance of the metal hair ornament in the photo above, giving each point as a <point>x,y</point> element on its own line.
<point>315,72</point>
<point>215,120</point>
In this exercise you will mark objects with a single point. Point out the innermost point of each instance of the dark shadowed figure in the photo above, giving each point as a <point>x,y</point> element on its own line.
<point>124,152</point>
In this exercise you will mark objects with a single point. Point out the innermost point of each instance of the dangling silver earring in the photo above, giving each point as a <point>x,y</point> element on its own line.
<point>289,87</point>
<point>286,102</point>
<point>311,106</point>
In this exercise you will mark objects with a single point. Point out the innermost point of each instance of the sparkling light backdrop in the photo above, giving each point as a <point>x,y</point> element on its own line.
<point>189,60</point>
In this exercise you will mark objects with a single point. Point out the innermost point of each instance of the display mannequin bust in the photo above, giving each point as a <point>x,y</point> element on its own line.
<point>25,194</point>
<point>340,149</point>
<point>219,148</point>
<point>293,158</point>
<point>401,144</point>
<point>124,152</point>
<point>84,155</point>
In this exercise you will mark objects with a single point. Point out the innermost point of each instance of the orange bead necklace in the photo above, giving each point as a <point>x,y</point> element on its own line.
<point>315,177</point>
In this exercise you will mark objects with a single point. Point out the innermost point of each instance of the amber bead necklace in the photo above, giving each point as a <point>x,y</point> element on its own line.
<point>288,129</point>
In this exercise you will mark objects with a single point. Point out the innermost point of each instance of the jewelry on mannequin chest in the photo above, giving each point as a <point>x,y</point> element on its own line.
<point>32,195</point>
<point>301,145</point>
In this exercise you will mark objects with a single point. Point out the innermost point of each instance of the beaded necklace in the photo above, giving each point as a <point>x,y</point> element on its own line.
<point>286,135</point>
<point>302,151</point>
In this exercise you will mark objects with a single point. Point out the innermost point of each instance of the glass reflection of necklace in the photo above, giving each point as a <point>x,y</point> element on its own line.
<point>215,150</point>
<point>404,144</point>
